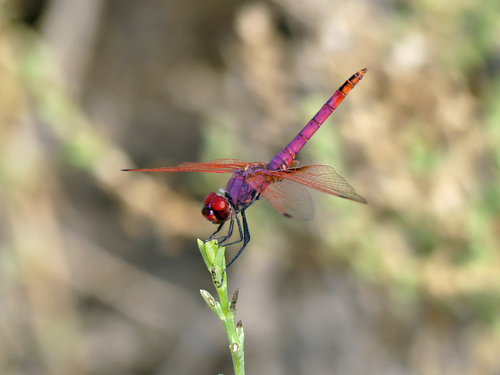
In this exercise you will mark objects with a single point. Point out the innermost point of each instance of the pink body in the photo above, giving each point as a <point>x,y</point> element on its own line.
<point>243,193</point>
<point>283,158</point>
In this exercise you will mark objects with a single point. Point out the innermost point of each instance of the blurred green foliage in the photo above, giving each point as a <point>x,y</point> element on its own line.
<point>94,260</point>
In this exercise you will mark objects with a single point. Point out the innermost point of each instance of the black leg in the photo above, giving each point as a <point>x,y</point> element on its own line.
<point>217,231</point>
<point>225,237</point>
<point>245,237</point>
<point>239,229</point>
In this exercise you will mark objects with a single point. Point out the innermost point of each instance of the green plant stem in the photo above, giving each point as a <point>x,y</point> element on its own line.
<point>214,258</point>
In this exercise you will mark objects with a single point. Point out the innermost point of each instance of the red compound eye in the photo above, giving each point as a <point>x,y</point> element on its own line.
<point>209,198</point>
<point>218,203</point>
<point>216,208</point>
<point>209,214</point>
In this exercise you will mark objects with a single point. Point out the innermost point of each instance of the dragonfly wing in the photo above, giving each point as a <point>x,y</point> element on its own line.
<point>211,166</point>
<point>290,199</point>
<point>322,178</point>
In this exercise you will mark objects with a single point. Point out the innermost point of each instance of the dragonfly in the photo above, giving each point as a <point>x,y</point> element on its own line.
<point>281,180</point>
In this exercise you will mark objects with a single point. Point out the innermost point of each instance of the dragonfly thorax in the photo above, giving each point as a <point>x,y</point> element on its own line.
<point>241,188</point>
<point>216,208</point>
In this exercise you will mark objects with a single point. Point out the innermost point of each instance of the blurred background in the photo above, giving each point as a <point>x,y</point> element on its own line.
<point>99,269</point>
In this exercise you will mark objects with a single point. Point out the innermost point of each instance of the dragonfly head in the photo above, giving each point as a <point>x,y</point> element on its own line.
<point>216,208</point>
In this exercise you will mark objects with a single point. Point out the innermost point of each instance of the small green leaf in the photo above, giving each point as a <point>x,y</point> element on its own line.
<point>212,303</point>
<point>206,253</point>
<point>220,260</point>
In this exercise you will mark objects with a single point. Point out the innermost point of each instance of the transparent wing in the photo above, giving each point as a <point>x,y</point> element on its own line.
<point>211,166</point>
<point>290,199</point>
<point>322,178</point>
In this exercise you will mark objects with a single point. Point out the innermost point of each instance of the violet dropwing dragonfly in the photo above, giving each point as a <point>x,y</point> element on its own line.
<point>281,180</point>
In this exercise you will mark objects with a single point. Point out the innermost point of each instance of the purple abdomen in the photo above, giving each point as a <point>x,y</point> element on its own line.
<point>283,159</point>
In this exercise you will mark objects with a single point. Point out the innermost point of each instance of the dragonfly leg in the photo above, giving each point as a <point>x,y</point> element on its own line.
<point>217,231</point>
<point>245,238</point>
<point>239,229</point>
<point>225,237</point>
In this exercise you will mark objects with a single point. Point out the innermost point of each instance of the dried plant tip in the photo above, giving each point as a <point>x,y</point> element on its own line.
<point>239,325</point>
<point>234,299</point>
<point>208,297</point>
<point>217,283</point>
<point>205,294</point>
